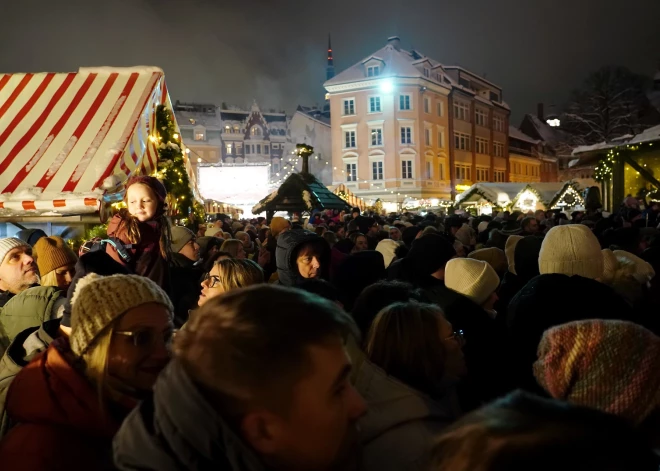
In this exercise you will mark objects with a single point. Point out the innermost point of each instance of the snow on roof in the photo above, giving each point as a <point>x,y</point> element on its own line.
<point>599,146</point>
<point>648,135</point>
<point>548,191</point>
<point>66,139</point>
<point>547,133</point>
<point>493,192</point>
<point>516,133</point>
<point>456,67</point>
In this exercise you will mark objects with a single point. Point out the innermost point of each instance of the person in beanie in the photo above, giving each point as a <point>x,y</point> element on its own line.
<point>185,273</point>
<point>18,270</point>
<point>474,279</point>
<point>76,394</point>
<point>495,258</point>
<point>30,236</point>
<point>56,262</point>
<point>523,259</point>
<point>605,364</point>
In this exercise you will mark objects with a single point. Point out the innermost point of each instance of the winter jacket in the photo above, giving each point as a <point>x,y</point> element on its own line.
<point>177,429</point>
<point>355,273</point>
<point>5,296</point>
<point>22,350</point>
<point>186,287</point>
<point>401,423</point>
<point>29,308</point>
<point>146,256</point>
<point>287,244</point>
<point>60,422</point>
<point>550,300</point>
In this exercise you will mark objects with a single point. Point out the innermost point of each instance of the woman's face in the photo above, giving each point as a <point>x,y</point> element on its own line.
<point>64,276</point>
<point>241,252</point>
<point>141,346</point>
<point>455,362</point>
<point>361,244</point>
<point>211,286</point>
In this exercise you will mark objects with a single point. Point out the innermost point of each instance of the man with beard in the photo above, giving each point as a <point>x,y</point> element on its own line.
<point>251,388</point>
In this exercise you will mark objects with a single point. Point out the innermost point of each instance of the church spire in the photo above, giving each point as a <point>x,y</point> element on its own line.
<point>330,69</point>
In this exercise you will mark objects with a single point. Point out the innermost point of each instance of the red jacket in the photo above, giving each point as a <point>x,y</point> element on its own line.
<point>146,256</point>
<point>60,422</point>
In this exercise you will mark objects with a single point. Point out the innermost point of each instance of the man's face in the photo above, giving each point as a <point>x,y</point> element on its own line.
<point>190,250</point>
<point>18,270</point>
<point>341,233</point>
<point>395,234</point>
<point>309,262</point>
<point>319,431</point>
<point>361,244</point>
<point>533,226</point>
<point>373,230</point>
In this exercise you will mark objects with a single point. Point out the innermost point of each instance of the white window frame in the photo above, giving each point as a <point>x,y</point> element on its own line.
<point>441,138</point>
<point>498,149</point>
<point>353,161</point>
<point>427,105</point>
<point>372,129</point>
<point>373,100</point>
<point>377,172</point>
<point>350,139</point>
<point>463,171</point>
<point>402,96</point>
<point>464,141</point>
<point>408,174</point>
<point>229,146</point>
<point>345,108</point>
<point>406,138</point>
<point>440,108</point>
<point>266,149</point>
<point>428,140</point>
<point>480,117</point>
<point>481,145</point>
<point>498,122</point>
<point>428,170</point>
<point>483,174</point>
<point>462,111</point>
<point>441,170</point>
<point>373,71</point>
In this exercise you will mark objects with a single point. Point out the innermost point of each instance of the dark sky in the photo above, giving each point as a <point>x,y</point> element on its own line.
<point>274,50</point>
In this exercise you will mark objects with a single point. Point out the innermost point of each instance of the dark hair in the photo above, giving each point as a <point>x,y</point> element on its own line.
<point>250,345</point>
<point>331,238</point>
<point>214,258</point>
<point>378,296</point>
<point>526,222</point>
<point>404,340</point>
<point>525,432</point>
<point>319,287</point>
<point>345,246</point>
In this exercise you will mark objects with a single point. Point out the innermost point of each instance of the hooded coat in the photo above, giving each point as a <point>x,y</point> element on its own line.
<point>401,423</point>
<point>61,424</point>
<point>288,244</point>
<point>177,429</point>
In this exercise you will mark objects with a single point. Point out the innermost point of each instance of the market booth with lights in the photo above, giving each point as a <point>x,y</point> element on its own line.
<point>70,141</point>
<point>627,167</point>
<point>485,198</point>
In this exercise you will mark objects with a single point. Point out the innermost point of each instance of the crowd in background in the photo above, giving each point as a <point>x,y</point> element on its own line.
<point>339,341</point>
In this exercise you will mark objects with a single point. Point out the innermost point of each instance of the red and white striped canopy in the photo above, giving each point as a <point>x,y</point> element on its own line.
<point>68,140</point>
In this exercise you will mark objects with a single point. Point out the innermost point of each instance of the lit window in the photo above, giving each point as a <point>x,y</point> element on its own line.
<point>199,136</point>
<point>228,149</point>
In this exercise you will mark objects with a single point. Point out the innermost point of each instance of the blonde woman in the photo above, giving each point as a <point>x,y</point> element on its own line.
<point>76,394</point>
<point>229,274</point>
<point>234,247</point>
<point>56,262</point>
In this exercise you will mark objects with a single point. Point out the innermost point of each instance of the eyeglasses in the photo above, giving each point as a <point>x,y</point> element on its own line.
<point>146,338</point>
<point>214,280</point>
<point>458,337</point>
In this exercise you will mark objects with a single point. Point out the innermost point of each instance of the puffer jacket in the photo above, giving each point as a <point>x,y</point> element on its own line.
<point>57,409</point>
<point>27,345</point>
<point>177,429</point>
<point>401,423</point>
<point>287,244</point>
<point>29,308</point>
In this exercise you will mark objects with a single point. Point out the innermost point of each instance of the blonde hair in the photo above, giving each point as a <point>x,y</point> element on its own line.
<point>49,279</point>
<point>95,365</point>
<point>232,247</point>
<point>235,273</point>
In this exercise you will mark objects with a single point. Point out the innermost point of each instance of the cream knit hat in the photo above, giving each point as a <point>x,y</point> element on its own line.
<point>100,300</point>
<point>510,251</point>
<point>571,250</point>
<point>610,265</point>
<point>474,279</point>
<point>387,247</point>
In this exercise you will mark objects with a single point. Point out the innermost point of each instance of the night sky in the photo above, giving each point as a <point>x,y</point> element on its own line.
<point>274,50</point>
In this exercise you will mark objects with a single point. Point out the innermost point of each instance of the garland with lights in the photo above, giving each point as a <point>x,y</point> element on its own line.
<point>604,168</point>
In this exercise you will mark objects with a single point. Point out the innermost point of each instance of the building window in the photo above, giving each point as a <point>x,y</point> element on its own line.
<point>228,149</point>
<point>427,72</point>
<point>427,105</point>
<point>266,150</point>
<point>463,172</point>
<point>406,135</point>
<point>404,102</point>
<point>481,145</point>
<point>373,71</point>
<point>429,171</point>
<point>461,141</point>
<point>349,107</point>
<point>258,148</point>
<point>351,172</point>
<point>461,111</point>
<point>526,169</point>
<point>427,137</point>
<point>276,146</point>
<point>247,149</point>
<point>441,108</point>
<point>377,170</point>
<point>441,139</point>
<point>255,131</point>
<point>199,135</point>
<point>499,149</point>
<point>498,176</point>
<point>276,167</point>
<point>406,169</point>
<point>482,174</point>
<point>349,139</point>
<point>498,123</point>
<point>374,104</point>
<point>228,129</point>
<point>377,136</point>
<point>480,117</point>
<point>441,171</point>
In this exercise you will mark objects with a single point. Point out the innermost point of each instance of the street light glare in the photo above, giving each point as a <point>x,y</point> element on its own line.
<point>386,86</point>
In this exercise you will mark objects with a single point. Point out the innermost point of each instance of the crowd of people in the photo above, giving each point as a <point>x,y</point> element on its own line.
<point>345,341</point>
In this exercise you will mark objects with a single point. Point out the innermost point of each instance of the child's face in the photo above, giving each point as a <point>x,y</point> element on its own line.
<point>141,201</point>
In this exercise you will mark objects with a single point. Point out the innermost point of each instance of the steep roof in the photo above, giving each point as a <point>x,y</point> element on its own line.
<point>516,133</point>
<point>322,116</point>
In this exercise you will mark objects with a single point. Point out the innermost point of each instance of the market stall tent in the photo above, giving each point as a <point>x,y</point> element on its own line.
<point>348,196</point>
<point>69,141</point>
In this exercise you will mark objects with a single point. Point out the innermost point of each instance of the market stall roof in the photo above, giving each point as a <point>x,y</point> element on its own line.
<point>69,141</point>
<point>494,193</point>
<point>300,192</point>
<point>354,201</point>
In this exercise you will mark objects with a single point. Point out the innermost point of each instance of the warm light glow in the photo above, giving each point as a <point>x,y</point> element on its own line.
<point>386,86</point>
<point>175,136</point>
<point>187,151</point>
<point>462,188</point>
<point>199,159</point>
<point>555,123</point>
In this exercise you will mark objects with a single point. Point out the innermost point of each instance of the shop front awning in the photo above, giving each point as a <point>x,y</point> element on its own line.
<point>69,141</point>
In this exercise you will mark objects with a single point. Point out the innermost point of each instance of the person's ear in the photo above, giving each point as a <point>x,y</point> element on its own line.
<point>262,430</point>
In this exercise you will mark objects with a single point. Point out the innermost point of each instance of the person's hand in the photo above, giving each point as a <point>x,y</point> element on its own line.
<point>264,257</point>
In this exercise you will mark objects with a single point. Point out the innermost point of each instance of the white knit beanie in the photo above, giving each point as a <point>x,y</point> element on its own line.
<point>99,300</point>
<point>474,279</point>
<point>643,272</point>
<point>510,251</point>
<point>8,244</point>
<point>387,247</point>
<point>571,250</point>
<point>483,225</point>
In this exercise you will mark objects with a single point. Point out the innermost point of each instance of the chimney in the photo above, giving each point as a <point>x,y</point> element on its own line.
<point>395,42</point>
<point>539,112</point>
